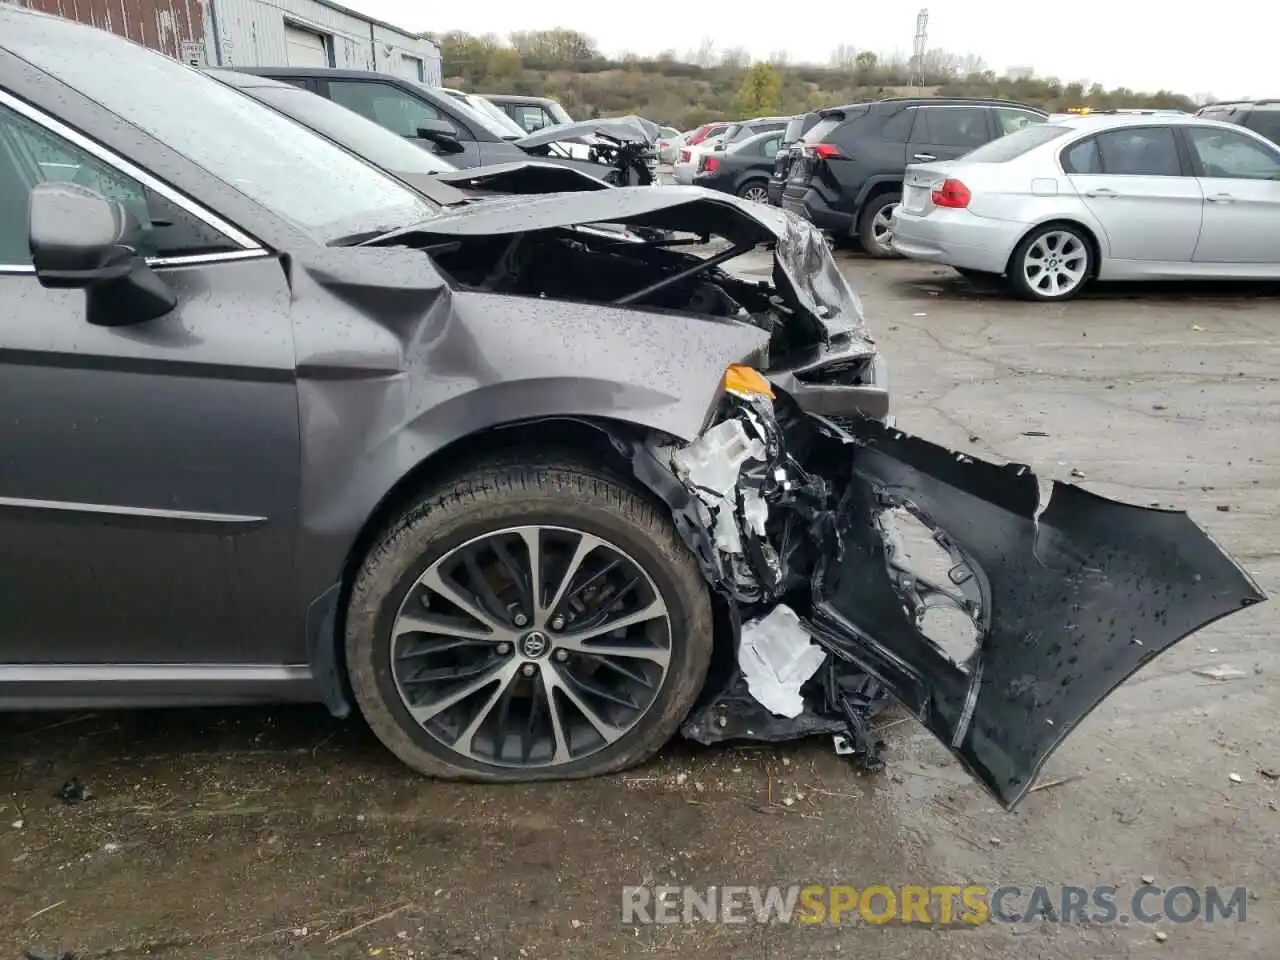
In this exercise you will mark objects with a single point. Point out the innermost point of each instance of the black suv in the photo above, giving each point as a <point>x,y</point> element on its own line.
<point>846,172</point>
<point>1260,116</point>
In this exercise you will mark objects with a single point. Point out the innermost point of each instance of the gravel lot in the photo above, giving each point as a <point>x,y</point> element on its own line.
<point>266,833</point>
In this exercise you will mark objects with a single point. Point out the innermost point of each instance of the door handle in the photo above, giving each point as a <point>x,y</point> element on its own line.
<point>1221,198</point>
<point>926,157</point>
<point>1101,192</point>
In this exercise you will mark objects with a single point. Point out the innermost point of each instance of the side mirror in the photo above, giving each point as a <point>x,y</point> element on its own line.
<point>81,240</point>
<point>442,134</point>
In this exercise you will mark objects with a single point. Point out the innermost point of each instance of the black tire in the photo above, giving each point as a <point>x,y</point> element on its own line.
<point>1082,247</point>
<point>867,226</point>
<point>755,184</point>
<point>553,492</point>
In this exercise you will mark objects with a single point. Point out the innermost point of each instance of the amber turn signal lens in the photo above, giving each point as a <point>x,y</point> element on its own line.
<point>747,382</point>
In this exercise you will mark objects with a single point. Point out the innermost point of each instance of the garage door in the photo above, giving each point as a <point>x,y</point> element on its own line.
<point>305,48</point>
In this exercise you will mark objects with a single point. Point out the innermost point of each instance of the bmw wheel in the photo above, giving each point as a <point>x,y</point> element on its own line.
<point>528,622</point>
<point>1052,263</point>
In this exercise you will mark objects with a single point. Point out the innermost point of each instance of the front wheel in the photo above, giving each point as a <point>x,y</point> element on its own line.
<point>529,621</point>
<point>1052,263</point>
<point>875,230</point>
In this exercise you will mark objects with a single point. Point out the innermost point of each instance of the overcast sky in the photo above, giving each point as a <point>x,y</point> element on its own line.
<point>1221,49</point>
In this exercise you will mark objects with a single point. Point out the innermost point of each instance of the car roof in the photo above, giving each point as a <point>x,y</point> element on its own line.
<point>1266,102</point>
<point>1107,121</point>
<point>931,102</point>
<point>244,81</point>
<point>331,73</point>
<point>516,98</point>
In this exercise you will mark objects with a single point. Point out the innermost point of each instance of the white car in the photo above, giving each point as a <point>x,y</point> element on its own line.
<point>686,165</point>
<point>669,143</point>
<point>1105,196</point>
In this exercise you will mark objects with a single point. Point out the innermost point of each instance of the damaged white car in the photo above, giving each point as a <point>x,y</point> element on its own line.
<point>531,481</point>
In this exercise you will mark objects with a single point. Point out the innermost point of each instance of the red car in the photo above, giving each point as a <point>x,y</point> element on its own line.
<point>704,131</point>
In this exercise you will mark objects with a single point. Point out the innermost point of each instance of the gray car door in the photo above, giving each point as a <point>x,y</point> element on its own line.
<point>1240,176</point>
<point>402,113</point>
<point>149,473</point>
<point>1132,180</point>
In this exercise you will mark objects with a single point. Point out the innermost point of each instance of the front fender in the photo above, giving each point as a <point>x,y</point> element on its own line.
<point>393,366</point>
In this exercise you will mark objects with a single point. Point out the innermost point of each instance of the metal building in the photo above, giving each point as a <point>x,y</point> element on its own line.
<point>259,33</point>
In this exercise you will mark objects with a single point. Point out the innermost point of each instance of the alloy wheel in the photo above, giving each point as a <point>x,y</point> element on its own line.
<point>531,646</point>
<point>1055,264</point>
<point>758,194</point>
<point>882,226</point>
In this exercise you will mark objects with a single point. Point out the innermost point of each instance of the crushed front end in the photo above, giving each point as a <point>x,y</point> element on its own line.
<point>813,533</point>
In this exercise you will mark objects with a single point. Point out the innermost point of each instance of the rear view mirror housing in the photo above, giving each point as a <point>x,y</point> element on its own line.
<point>442,134</point>
<point>80,240</point>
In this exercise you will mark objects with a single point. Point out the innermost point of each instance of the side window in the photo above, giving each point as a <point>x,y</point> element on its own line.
<point>384,104</point>
<point>952,126</point>
<point>30,154</point>
<point>771,146</point>
<point>1082,158</point>
<point>1265,122</point>
<point>1008,119</point>
<point>1140,152</point>
<point>897,129</point>
<point>1232,156</point>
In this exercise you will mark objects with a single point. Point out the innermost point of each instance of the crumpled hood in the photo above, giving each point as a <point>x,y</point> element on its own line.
<point>803,265</point>
<point>628,129</point>
<point>523,177</point>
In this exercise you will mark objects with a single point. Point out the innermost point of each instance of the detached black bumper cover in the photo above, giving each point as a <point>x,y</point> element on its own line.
<point>1064,603</point>
<point>1068,604</point>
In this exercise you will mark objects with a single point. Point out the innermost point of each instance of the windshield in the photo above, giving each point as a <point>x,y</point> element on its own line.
<point>347,128</point>
<point>302,178</point>
<point>509,127</point>
<point>480,119</point>
<point>558,113</point>
<point>1013,145</point>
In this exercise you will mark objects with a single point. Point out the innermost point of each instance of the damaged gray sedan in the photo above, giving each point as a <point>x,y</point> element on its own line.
<point>532,482</point>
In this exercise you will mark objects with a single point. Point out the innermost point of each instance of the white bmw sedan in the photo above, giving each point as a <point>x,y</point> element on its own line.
<point>1104,196</point>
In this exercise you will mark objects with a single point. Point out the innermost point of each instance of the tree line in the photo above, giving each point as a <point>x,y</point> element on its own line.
<point>702,84</point>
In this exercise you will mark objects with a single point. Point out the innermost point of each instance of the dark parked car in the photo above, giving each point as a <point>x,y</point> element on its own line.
<point>277,427</point>
<point>846,172</point>
<point>1260,116</point>
<point>408,109</point>
<point>432,175</point>
<point>743,169</point>
<point>737,132</point>
<point>431,118</point>
<point>796,128</point>
<point>530,113</point>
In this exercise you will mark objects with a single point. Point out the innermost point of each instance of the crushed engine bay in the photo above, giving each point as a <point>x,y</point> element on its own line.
<point>799,525</point>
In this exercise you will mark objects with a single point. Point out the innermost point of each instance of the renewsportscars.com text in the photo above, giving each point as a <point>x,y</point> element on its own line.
<point>938,904</point>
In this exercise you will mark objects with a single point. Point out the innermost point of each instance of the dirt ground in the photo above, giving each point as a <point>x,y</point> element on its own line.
<point>283,833</point>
